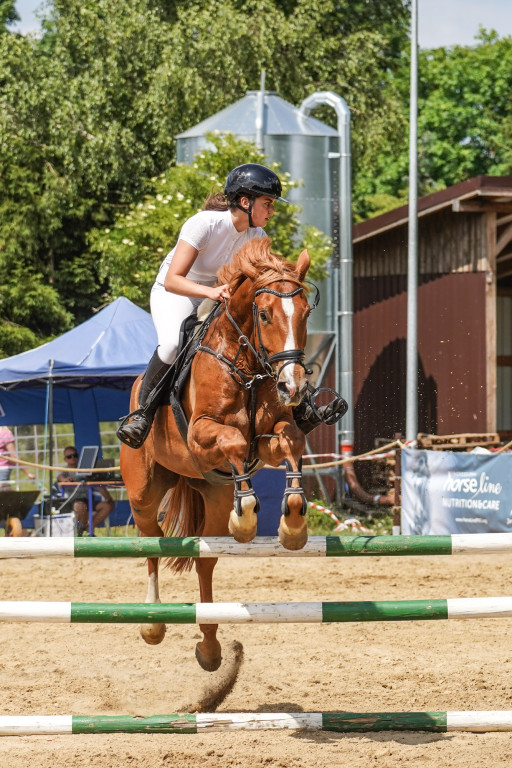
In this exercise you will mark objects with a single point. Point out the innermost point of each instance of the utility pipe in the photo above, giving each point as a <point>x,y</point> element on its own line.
<point>343,268</point>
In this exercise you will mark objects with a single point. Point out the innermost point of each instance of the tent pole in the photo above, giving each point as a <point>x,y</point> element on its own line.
<point>50,429</point>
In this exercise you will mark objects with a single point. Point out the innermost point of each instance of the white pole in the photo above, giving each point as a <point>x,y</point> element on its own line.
<point>411,411</point>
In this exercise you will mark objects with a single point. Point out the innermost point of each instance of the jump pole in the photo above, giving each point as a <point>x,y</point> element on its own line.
<point>341,722</point>
<point>256,613</point>
<point>261,546</point>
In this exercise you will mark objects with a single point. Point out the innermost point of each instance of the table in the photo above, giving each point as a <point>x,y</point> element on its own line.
<point>90,485</point>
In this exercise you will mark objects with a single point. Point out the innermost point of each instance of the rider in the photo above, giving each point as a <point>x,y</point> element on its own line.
<point>188,274</point>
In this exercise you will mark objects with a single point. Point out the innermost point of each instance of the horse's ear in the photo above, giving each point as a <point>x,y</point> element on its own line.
<point>303,263</point>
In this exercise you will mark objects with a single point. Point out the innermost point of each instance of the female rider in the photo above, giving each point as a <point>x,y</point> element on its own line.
<point>188,274</point>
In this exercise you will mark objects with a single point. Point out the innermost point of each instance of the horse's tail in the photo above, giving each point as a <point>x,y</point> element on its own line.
<point>183,509</point>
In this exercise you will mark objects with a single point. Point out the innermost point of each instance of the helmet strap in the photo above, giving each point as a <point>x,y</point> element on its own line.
<point>248,210</point>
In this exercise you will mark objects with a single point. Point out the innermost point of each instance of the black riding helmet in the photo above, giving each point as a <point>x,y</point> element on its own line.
<point>252,180</point>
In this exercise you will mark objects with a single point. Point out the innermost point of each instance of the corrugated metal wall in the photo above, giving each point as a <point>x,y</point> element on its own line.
<point>448,242</point>
<point>451,328</point>
<point>504,350</point>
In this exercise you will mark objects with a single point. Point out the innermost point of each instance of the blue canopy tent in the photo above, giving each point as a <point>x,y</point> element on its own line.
<point>83,377</point>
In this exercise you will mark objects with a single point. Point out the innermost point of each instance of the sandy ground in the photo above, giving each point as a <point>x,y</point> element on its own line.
<point>108,669</point>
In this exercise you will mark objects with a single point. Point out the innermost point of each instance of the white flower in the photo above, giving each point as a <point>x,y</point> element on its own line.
<point>107,231</point>
<point>180,196</point>
<point>126,241</point>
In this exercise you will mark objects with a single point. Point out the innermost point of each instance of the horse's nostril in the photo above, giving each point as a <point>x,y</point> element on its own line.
<point>282,387</point>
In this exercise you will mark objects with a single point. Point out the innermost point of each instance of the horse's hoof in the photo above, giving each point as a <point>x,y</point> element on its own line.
<point>209,665</point>
<point>153,634</point>
<point>290,540</point>
<point>245,533</point>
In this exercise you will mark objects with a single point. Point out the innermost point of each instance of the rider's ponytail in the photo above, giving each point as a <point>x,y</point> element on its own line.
<point>216,201</point>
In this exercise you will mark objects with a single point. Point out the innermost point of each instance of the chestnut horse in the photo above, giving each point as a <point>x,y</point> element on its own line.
<point>246,375</point>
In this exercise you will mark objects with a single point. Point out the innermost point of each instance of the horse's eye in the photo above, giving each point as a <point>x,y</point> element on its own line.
<point>263,316</point>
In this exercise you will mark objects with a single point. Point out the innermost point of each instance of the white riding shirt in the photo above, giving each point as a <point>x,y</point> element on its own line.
<point>216,239</point>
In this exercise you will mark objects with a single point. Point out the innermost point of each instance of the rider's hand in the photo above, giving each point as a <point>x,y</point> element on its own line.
<point>219,292</point>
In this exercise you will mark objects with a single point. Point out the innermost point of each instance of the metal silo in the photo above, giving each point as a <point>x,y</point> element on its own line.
<point>300,144</point>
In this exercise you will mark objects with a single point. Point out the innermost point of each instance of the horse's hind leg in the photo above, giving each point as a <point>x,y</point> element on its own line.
<point>147,492</point>
<point>208,650</point>
<point>152,633</point>
<point>218,502</point>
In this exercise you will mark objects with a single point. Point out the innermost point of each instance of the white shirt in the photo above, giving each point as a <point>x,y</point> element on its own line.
<point>216,239</point>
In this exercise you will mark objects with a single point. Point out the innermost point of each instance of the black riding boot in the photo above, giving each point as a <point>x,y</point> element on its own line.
<point>308,416</point>
<point>134,432</point>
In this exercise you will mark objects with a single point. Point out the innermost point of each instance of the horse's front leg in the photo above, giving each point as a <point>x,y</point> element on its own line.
<point>288,445</point>
<point>213,445</point>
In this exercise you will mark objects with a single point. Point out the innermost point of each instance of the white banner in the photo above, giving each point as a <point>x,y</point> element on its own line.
<point>449,492</point>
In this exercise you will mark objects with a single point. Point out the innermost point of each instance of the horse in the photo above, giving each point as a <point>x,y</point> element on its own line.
<point>246,375</point>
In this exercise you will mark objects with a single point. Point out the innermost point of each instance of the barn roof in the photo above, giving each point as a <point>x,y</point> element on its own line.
<point>477,195</point>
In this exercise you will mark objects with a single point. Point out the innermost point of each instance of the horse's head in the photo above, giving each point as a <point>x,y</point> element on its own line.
<point>275,289</point>
<point>280,312</point>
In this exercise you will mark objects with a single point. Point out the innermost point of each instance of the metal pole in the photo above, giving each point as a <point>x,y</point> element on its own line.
<point>411,411</point>
<point>260,108</point>
<point>342,272</point>
<point>50,427</point>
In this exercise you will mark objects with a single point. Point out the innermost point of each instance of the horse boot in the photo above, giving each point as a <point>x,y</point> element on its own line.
<point>308,416</point>
<point>135,427</point>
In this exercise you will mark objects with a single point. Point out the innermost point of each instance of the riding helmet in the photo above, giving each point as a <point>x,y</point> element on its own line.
<point>252,180</point>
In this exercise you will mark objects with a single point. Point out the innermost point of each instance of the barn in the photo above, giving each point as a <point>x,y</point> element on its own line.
<point>464,314</point>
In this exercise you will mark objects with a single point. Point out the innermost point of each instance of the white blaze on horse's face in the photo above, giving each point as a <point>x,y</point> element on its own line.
<point>291,383</point>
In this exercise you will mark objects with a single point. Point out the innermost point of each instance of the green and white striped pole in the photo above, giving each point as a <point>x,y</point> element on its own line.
<point>341,722</point>
<point>262,546</point>
<point>256,613</point>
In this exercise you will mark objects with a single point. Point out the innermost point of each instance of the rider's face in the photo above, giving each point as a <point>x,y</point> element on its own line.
<point>262,210</point>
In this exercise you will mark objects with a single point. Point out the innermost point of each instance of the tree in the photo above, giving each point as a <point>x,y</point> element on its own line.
<point>89,115</point>
<point>8,14</point>
<point>464,122</point>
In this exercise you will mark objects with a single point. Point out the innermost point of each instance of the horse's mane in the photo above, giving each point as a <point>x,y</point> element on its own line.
<point>256,261</point>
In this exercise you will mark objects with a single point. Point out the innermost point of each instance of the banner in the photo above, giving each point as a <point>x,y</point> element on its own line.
<point>450,492</point>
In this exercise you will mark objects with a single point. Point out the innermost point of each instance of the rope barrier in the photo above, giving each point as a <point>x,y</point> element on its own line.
<point>74,470</point>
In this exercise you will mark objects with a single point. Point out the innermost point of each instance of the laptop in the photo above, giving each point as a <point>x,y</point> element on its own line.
<point>104,464</point>
<point>87,460</point>
<point>16,503</point>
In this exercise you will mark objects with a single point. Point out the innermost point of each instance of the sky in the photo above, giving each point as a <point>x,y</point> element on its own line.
<point>440,22</point>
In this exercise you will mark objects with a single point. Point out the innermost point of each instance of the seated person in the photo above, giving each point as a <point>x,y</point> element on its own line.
<point>102,500</point>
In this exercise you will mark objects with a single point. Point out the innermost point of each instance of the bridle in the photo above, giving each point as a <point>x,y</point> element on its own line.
<point>258,349</point>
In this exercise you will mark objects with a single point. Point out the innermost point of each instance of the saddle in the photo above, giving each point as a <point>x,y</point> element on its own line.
<point>192,333</point>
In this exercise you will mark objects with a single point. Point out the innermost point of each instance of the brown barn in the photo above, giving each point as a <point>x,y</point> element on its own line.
<point>464,314</point>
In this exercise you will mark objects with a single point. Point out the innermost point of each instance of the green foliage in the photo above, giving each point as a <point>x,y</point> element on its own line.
<point>130,250</point>
<point>15,339</point>
<point>464,123</point>
<point>8,14</point>
<point>90,111</point>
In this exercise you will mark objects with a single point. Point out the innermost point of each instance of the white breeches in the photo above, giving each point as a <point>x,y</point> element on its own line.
<point>168,311</point>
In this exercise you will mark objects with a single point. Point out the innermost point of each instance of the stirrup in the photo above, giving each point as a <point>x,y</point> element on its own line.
<point>135,417</point>
<point>338,406</point>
